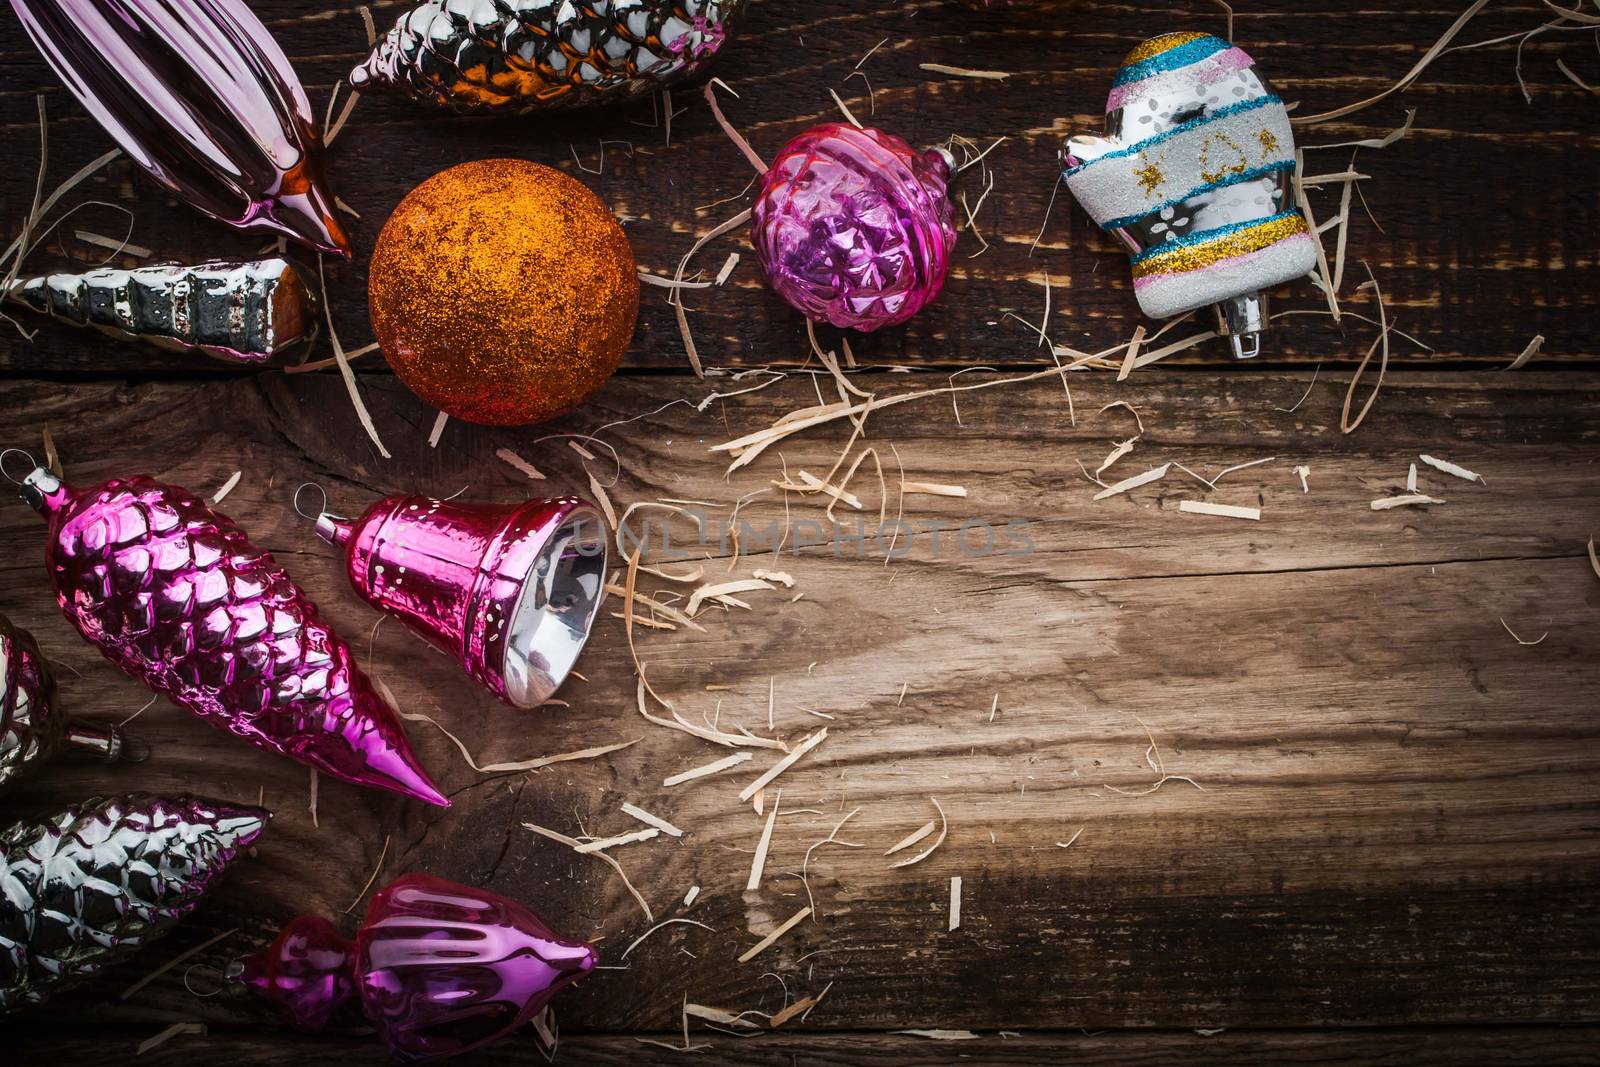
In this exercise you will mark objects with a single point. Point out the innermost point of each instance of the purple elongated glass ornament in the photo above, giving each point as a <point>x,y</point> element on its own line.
<point>175,594</point>
<point>853,226</point>
<point>437,968</point>
<point>199,94</point>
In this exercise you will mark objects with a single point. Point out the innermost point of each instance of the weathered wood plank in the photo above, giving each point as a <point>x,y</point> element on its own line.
<point>1489,223</point>
<point>1504,1047</point>
<point>1396,824</point>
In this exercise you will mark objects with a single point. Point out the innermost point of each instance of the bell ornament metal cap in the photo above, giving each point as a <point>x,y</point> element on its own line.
<point>510,592</point>
<point>1195,175</point>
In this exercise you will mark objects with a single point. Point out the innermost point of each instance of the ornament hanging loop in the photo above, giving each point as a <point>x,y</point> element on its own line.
<point>25,454</point>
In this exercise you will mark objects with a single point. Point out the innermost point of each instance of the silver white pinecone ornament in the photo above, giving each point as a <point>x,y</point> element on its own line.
<point>85,888</point>
<point>517,56</point>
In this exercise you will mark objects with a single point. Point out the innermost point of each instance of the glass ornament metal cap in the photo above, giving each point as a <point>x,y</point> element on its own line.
<point>510,591</point>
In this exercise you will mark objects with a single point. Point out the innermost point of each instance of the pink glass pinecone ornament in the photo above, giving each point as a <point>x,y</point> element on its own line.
<point>509,592</point>
<point>853,226</point>
<point>176,595</point>
<point>438,968</point>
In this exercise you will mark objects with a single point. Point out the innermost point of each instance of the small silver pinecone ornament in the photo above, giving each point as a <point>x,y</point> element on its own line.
<point>517,56</point>
<point>87,887</point>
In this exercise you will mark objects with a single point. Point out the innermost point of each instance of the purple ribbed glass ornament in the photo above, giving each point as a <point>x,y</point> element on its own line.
<point>199,94</point>
<point>853,226</point>
<point>175,594</point>
<point>438,968</point>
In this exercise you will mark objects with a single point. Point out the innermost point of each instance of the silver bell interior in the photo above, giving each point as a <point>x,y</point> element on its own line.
<point>556,610</point>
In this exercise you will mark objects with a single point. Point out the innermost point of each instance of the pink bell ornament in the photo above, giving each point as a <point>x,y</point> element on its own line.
<point>437,968</point>
<point>175,594</point>
<point>1195,176</point>
<point>853,226</point>
<point>510,592</point>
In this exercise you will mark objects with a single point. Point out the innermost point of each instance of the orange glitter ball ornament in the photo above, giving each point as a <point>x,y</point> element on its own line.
<point>503,292</point>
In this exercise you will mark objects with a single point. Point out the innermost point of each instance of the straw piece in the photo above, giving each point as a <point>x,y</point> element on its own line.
<point>1130,359</point>
<point>940,1035</point>
<point>932,489</point>
<point>1519,640</point>
<point>719,1016</point>
<point>913,837</point>
<point>438,429</point>
<point>785,763</point>
<point>167,1035</point>
<point>721,591</point>
<point>173,962</point>
<point>520,765</point>
<point>965,72</point>
<point>709,768</point>
<point>768,941</point>
<point>1594,560</point>
<point>955,904</point>
<point>1226,511</point>
<point>805,1004</point>
<point>691,896</point>
<point>621,839</point>
<point>1135,482</point>
<point>652,820</point>
<point>760,861</point>
<point>1450,468</point>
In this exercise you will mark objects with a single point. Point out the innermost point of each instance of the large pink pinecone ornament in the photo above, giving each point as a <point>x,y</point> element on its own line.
<point>853,226</point>
<point>176,595</point>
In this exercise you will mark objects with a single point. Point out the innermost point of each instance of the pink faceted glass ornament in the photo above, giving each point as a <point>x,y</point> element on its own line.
<point>853,226</point>
<point>438,968</point>
<point>175,594</point>
<point>510,592</point>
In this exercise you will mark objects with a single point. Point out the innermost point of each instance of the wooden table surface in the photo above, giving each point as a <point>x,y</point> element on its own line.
<point>1380,840</point>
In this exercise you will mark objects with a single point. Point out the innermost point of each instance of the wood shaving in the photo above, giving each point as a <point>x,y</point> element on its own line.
<point>1122,449</point>
<point>743,739</point>
<point>940,1035</point>
<point>1412,75</point>
<point>1519,640</point>
<point>913,837</point>
<point>349,376</point>
<point>1130,358</point>
<point>519,765</point>
<point>655,606</point>
<point>601,844</point>
<point>1304,473</point>
<point>606,857</point>
<point>785,763</point>
<point>759,861</point>
<point>964,72</point>
<point>933,489</point>
<point>661,925</point>
<point>651,820</point>
<point>802,1006</point>
<point>1068,842</point>
<point>850,118</point>
<point>1403,501</point>
<point>691,896</point>
<point>768,941</point>
<point>1535,346</point>
<point>727,267</point>
<point>1135,482</point>
<point>944,829</point>
<point>1346,425</point>
<point>116,246</point>
<point>439,424</point>
<point>373,877</point>
<point>1411,479</point>
<point>175,1030</point>
<point>311,805</point>
<point>955,904</point>
<point>1225,511</point>
<point>604,500</point>
<point>227,487</point>
<point>577,446</point>
<point>783,578</point>
<point>722,590</point>
<point>1451,469</point>
<point>708,769</point>
<point>719,1016</point>
<point>1594,560</point>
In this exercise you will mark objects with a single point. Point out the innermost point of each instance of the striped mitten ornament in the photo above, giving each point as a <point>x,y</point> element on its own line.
<point>1195,175</point>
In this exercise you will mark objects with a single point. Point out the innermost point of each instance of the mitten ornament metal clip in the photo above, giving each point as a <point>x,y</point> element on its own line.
<point>509,591</point>
<point>1195,175</point>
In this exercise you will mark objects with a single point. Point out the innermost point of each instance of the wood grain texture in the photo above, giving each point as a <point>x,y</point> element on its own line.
<point>1489,222</point>
<point>1384,846</point>
<point>1394,820</point>
<point>1528,1046</point>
